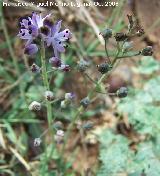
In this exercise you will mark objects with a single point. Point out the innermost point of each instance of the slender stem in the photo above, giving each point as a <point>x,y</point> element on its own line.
<point>86,74</point>
<point>107,51</point>
<point>46,83</point>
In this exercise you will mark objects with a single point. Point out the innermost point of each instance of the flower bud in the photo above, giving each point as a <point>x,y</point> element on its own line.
<point>85,102</point>
<point>35,106</point>
<point>148,51</point>
<point>107,33</point>
<point>82,65</point>
<point>63,104</point>
<point>37,142</point>
<point>49,95</point>
<point>122,92</point>
<point>88,125</point>
<point>58,125</point>
<point>120,36</point>
<point>31,49</point>
<point>104,68</point>
<point>55,62</point>
<point>59,136</point>
<point>127,46</point>
<point>64,68</point>
<point>35,68</point>
<point>69,96</point>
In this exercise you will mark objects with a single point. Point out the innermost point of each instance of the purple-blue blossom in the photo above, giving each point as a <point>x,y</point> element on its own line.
<point>57,39</point>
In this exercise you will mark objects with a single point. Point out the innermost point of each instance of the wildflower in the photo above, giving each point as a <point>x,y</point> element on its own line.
<point>31,49</point>
<point>35,68</point>
<point>49,95</point>
<point>122,92</point>
<point>37,142</point>
<point>107,33</point>
<point>55,62</point>
<point>59,136</point>
<point>120,36</point>
<point>82,65</point>
<point>35,106</point>
<point>104,68</point>
<point>30,30</point>
<point>57,39</point>
<point>85,102</point>
<point>148,51</point>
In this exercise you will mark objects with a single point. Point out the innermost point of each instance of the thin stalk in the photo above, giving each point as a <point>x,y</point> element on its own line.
<point>46,83</point>
<point>107,52</point>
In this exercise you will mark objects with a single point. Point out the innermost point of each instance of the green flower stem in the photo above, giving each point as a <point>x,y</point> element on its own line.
<point>46,83</point>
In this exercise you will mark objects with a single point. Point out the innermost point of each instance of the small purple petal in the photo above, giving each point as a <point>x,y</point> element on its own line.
<point>31,49</point>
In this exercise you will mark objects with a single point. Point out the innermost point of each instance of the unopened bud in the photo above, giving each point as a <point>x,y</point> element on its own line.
<point>82,65</point>
<point>127,46</point>
<point>107,33</point>
<point>104,68</point>
<point>120,36</point>
<point>35,68</point>
<point>35,106</point>
<point>49,95</point>
<point>148,51</point>
<point>37,142</point>
<point>122,92</point>
<point>85,102</point>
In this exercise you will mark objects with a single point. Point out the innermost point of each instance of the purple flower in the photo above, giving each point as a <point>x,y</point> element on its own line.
<point>31,49</point>
<point>57,39</point>
<point>30,27</point>
<point>69,96</point>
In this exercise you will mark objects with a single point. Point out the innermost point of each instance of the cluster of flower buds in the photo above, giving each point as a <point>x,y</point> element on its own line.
<point>36,28</point>
<point>122,92</point>
<point>68,100</point>
<point>59,136</point>
<point>35,106</point>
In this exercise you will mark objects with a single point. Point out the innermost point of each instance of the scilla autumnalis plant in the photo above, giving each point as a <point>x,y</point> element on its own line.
<point>40,33</point>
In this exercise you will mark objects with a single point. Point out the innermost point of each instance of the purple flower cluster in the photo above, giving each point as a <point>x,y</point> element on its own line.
<point>35,28</point>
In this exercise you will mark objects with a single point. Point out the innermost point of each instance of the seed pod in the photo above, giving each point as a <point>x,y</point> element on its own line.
<point>35,106</point>
<point>122,92</point>
<point>120,36</point>
<point>85,102</point>
<point>107,33</point>
<point>104,68</point>
<point>148,51</point>
<point>49,95</point>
